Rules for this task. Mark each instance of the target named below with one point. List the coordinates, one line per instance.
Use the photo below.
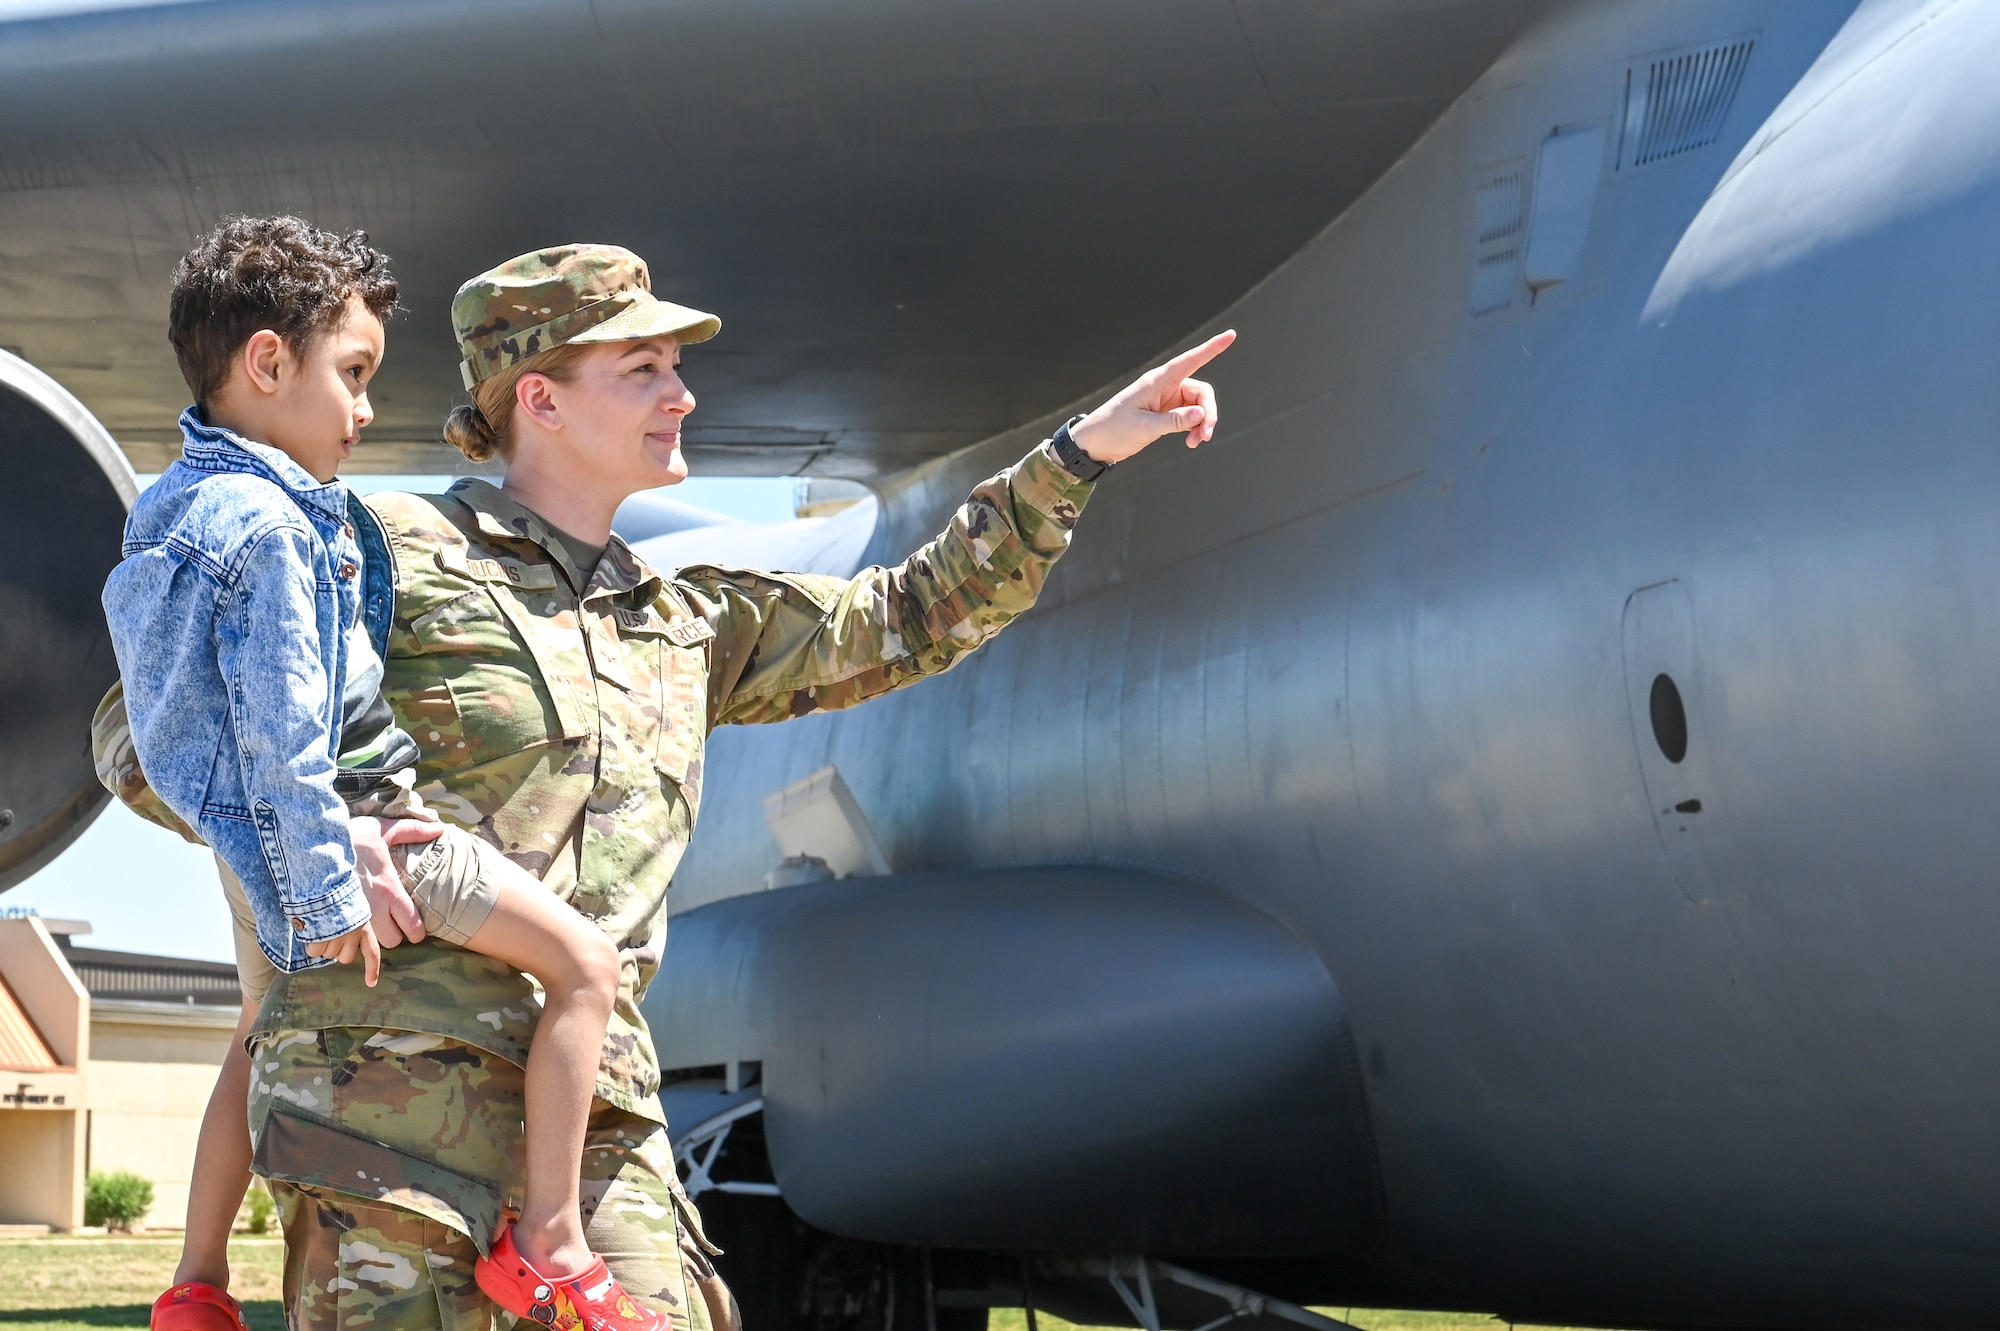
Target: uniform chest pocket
(684, 716)
(469, 624)
(667, 662)
(508, 677)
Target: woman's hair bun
(468, 431)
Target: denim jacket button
(298, 926)
(348, 570)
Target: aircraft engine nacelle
(1085, 1059)
(62, 513)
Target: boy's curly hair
(279, 273)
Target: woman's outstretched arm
(790, 644)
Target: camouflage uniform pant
(353, 1262)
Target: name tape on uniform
(681, 633)
(527, 577)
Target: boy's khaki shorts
(454, 880)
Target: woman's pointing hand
(1161, 401)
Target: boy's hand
(390, 909)
(345, 948)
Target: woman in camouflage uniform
(562, 693)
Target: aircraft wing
(922, 223)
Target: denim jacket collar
(213, 448)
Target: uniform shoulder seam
(400, 511)
(400, 506)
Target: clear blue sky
(143, 889)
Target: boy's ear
(264, 357)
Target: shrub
(116, 1199)
(258, 1209)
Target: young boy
(252, 673)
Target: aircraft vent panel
(1675, 103)
(1493, 281)
(1496, 208)
(1499, 216)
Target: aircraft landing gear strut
(1134, 1280)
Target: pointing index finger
(1185, 364)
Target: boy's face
(311, 407)
(321, 408)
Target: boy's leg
(222, 1150)
(221, 1167)
(455, 881)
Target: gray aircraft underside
(1506, 826)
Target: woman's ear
(534, 397)
(264, 358)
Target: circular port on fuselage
(1670, 718)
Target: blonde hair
(484, 428)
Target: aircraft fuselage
(1683, 1027)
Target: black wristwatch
(1074, 460)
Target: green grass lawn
(73, 1284)
(69, 1284)
(1368, 1319)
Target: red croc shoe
(197, 1306)
(590, 1301)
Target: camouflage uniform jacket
(568, 730)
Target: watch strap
(1074, 460)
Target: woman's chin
(665, 465)
(673, 475)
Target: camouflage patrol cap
(561, 295)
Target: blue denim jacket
(229, 616)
